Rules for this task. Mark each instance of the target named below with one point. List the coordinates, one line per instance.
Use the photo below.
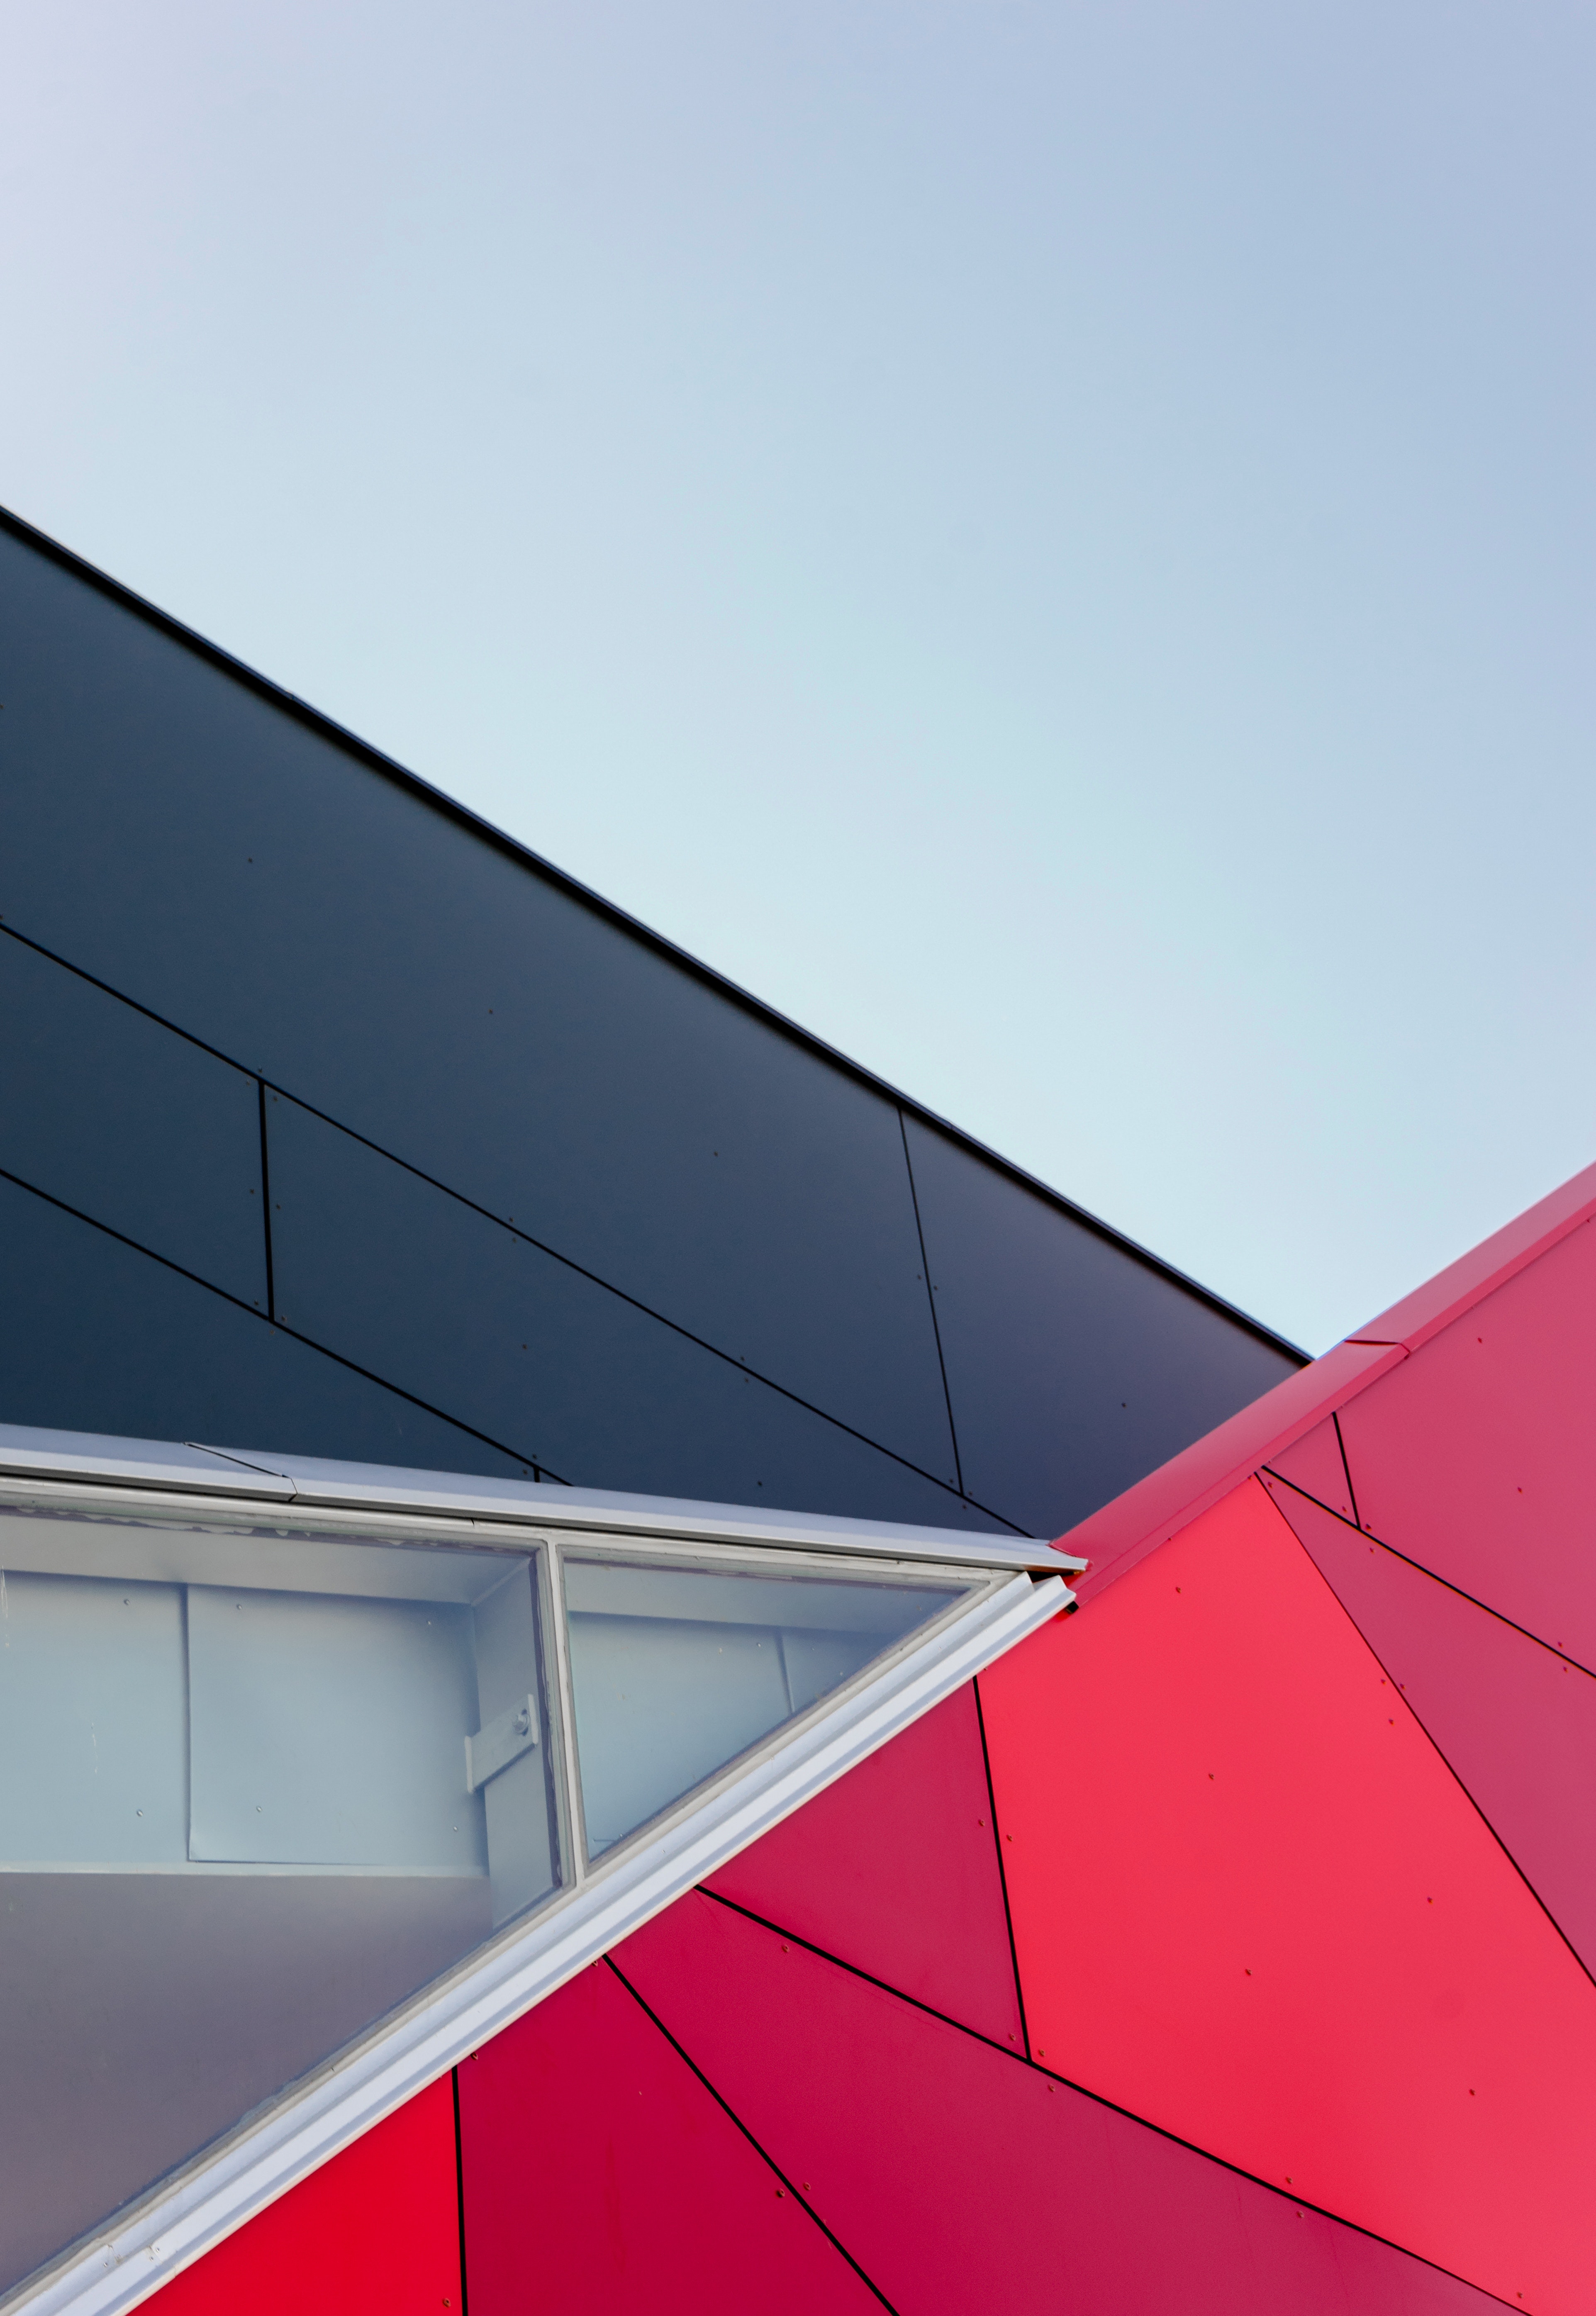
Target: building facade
(552, 1762)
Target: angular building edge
(1114, 1539)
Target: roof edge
(162, 1471)
(375, 760)
(1422, 1314)
(1114, 1538)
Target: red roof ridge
(1487, 1266)
(1118, 1534)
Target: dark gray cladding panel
(131, 1124)
(402, 1278)
(1073, 1366)
(263, 887)
(172, 832)
(98, 1337)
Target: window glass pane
(262, 1782)
(259, 1786)
(677, 1671)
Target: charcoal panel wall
(171, 831)
(1074, 1368)
(269, 889)
(95, 1336)
(135, 1127)
(395, 1275)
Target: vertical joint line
(266, 1204)
(1002, 1879)
(997, 1844)
(1347, 1468)
(936, 1332)
(459, 2186)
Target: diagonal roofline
(1113, 1539)
(374, 758)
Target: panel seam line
(1002, 1878)
(459, 2186)
(739, 1367)
(930, 1298)
(1065, 2083)
(1430, 1739)
(730, 2112)
(1419, 1568)
(534, 1462)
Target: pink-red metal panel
(374, 2233)
(1317, 1465)
(961, 2178)
(1515, 1720)
(601, 2176)
(894, 1869)
(1477, 1457)
(1252, 1905)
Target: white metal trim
(307, 1483)
(194, 2209)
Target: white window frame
(1012, 1589)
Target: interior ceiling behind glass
(264, 1784)
(237, 1824)
(676, 1671)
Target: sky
(1052, 544)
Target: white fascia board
(190, 2211)
(35, 1454)
(313, 1481)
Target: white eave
(312, 1482)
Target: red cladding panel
(1477, 1457)
(1514, 1720)
(1316, 1466)
(895, 1870)
(601, 2176)
(1252, 1905)
(962, 2179)
(374, 2233)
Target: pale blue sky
(1054, 545)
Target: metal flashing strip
(26, 1453)
(313, 1484)
(176, 2222)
